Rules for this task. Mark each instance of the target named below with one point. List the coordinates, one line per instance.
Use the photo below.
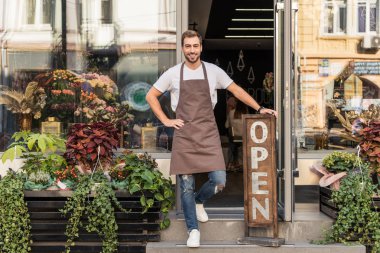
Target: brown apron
(196, 145)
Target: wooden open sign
(260, 194)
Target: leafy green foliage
(33, 142)
(99, 212)
(356, 220)
(149, 182)
(75, 208)
(101, 217)
(38, 162)
(15, 221)
(340, 161)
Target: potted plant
(61, 87)
(91, 146)
(26, 141)
(26, 105)
(38, 180)
(370, 147)
(339, 161)
(357, 219)
(144, 178)
(37, 152)
(67, 177)
(118, 174)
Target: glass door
(284, 94)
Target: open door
(284, 75)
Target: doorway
(238, 36)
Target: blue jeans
(216, 182)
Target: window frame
(109, 19)
(368, 5)
(336, 4)
(38, 22)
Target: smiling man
(196, 148)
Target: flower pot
(119, 185)
(25, 122)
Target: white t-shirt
(169, 81)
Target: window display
(58, 69)
(339, 77)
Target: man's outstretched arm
(244, 97)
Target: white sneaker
(201, 213)
(194, 238)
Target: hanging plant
(15, 220)
(99, 212)
(340, 161)
(90, 145)
(356, 220)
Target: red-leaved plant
(89, 144)
(370, 144)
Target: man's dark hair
(190, 34)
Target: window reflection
(130, 42)
(339, 75)
(38, 11)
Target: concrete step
(309, 226)
(232, 247)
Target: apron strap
(203, 68)
(204, 71)
(181, 75)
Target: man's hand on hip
(176, 123)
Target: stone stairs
(220, 235)
(232, 247)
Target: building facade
(324, 55)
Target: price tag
(61, 185)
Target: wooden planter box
(48, 224)
(330, 209)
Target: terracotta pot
(25, 121)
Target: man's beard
(192, 61)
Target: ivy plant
(145, 179)
(356, 220)
(15, 220)
(99, 211)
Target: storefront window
(337, 82)
(114, 49)
(339, 78)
